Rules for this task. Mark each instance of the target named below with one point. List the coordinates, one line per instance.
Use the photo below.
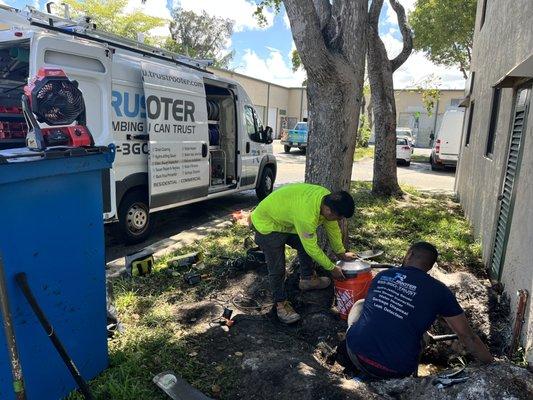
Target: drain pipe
(519, 320)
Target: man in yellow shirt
(291, 215)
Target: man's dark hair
(341, 203)
(424, 253)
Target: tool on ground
(226, 317)
(442, 338)
(519, 320)
(193, 278)
(22, 281)
(53, 99)
(185, 260)
(177, 388)
(16, 367)
(368, 254)
(140, 263)
(450, 379)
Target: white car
(406, 132)
(403, 151)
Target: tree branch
(323, 10)
(373, 13)
(407, 35)
(307, 34)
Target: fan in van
(53, 99)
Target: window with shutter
(507, 194)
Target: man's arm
(473, 343)
(334, 235)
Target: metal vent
(506, 198)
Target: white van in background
(181, 133)
(445, 151)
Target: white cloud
(154, 8)
(286, 20)
(240, 11)
(272, 69)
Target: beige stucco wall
(505, 40)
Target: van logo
(127, 104)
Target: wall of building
(504, 40)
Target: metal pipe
(519, 320)
(16, 368)
(49, 329)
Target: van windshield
(301, 126)
(401, 142)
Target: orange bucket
(354, 288)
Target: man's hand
(348, 256)
(337, 274)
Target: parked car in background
(404, 150)
(296, 137)
(406, 132)
(445, 151)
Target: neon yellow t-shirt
(296, 209)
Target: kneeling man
(384, 337)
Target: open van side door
(176, 116)
(88, 63)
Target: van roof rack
(86, 29)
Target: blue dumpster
(51, 213)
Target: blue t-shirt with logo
(402, 304)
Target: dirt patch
(267, 359)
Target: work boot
(314, 283)
(286, 313)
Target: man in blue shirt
(385, 331)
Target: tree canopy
(110, 16)
(200, 36)
(444, 30)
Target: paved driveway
(419, 175)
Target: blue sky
(265, 52)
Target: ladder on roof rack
(84, 28)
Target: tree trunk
(385, 181)
(333, 122)
(330, 39)
(380, 70)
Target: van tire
(407, 163)
(265, 185)
(287, 149)
(134, 222)
(434, 166)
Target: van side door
(176, 116)
(88, 63)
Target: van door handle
(144, 137)
(247, 147)
(204, 150)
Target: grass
(420, 158)
(393, 224)
(363, 152)
(154, 339)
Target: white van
(445, 151)
(182, 134)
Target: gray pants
(273, 246)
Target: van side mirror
(267, 135)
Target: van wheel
(303, 149)
(287, 149)
(434, 166)
(265, 184)
(134, 217)
(407, 163)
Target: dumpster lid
(353, 268)
(23, 154)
